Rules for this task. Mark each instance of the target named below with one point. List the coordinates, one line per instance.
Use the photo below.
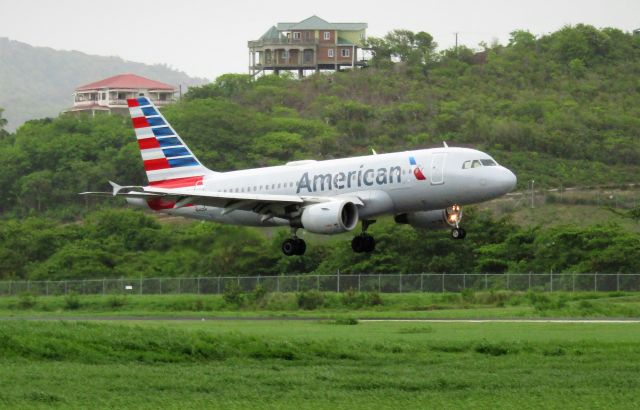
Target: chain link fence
(426, 282)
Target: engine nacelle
(439, 219)
(330, 217)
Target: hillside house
(110, 95)
(312, 44)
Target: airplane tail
(168, 161)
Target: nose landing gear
(458, 233)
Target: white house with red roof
(110, 95)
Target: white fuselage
(384, 183)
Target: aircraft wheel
(370, 243)
(289, 247)
(357, 244)
(300, 246)
(458, 233)
(363, 243)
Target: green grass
(408, 305)
(316, 364)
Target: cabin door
(437, 169)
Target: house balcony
(284, 42)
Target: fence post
(486, 282)
(464, 281)
(46, 289)
(573, 282)
(358, 282)
(338, 281)
(160, 285)
(529, 288)
(422, 282)
(379, 283)
(595, 282)
(198, 284)
(140, 286)
(104, 286)
(507, 281)
(298, 283)
(551, 280)
(218, 285)
(66, 287)
(401, 283)
(618, 282)
(443, 283)
(10, 282)
(318, 283)
(277, 283)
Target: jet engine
(439, 219)
(330, 217)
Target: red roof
(127, 81)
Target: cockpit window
(477, 163)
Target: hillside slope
(38, 82)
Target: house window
(327, 35)
(330, 52)
(285, 54)
(345, 52)
(296, 35)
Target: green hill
(562, 109)
(38, 82)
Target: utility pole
(532, 193)
(456, 34)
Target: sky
(209, 38)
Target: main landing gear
(364, 242)
(294, 245)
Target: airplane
(424, 188)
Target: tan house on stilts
(312, 44)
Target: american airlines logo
(359, 178)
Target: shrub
(233, 295)
(259, 293)
(373, 299)
(26, 300)
(116, 301)
(310, 300)
(72, 301)
(468, 295)
(346, 321)
(353, 299)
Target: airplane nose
(508, 180)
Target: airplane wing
(266, 204)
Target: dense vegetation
(127, 243)
(561, 109)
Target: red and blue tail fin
(168, 161)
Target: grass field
(316, 364)
(331, 305)
(338, 362)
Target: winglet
(373, 151)
(116, 188)
(445, 144)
